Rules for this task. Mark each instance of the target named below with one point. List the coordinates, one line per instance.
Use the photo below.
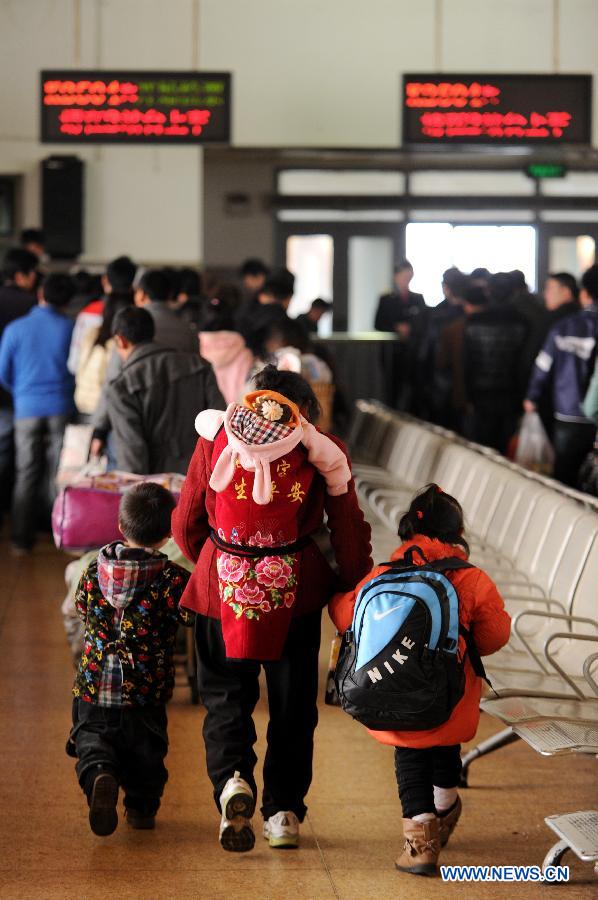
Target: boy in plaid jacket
(128, 600)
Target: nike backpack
(399, 666)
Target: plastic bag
(534, 450)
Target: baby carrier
(264, 461)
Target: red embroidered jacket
(350, 534)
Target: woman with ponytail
(428, 763)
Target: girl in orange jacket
(428, 763)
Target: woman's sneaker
(282, 831)
(237, 804)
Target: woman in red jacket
(428, 763)
(272, 537)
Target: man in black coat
(268, 307)
(402, 312)
(397, 310)
(309, 320)
(493, 341)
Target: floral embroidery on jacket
(255, 585)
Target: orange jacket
(481, 610)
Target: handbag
(85, 514)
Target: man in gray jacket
(171, 331)
(153, 403)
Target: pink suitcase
(85, 514)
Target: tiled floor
(349, 841)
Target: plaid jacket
(145, 645)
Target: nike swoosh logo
(378, 616)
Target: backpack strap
(450, 564)
(407, 561)
(474, 655)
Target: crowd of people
(134, 355)
(492, 350)
(223, 386)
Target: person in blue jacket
(564, 366)
(33, 355)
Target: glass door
(567, 247)
(311, 258)
(370, 274)
(348, 262)
(433, 247)
(571, 253)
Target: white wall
(305, 73)
(139, 200)
(326, 72)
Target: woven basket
(325, 395)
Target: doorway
(350, 263)
(567, 247)
(433, 247)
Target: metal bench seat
(553, 737)
(578, 832)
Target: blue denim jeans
(38, 442)
(6, 457)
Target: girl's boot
(421, 848)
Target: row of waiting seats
(539, 542)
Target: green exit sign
(546, 170)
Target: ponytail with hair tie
(436, 515)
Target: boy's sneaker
(238, 805)
(137, 820)
(282, 831)
(103, 817)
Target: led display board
(131, 107)
(496, 109)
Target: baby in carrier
(266, 457)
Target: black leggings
(419, 770)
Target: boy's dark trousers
(419, 770)
(130, 742)
(230, 691)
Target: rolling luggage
(85, 514)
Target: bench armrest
(571, 635)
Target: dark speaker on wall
(62, 206)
